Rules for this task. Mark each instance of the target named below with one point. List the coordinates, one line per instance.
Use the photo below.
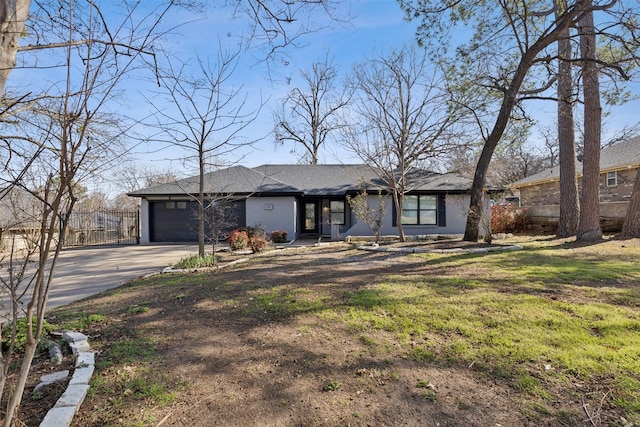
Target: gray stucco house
(303, 200)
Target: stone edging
(195, 270)
(409, 250)
(68, 404)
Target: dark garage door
(177, 221)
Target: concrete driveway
(83, 272)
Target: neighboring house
(19, 210)
(302, 200)
(19, 216)
(540, 193)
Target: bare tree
(403, 118)
(220, 219)
(549, 149)
(206, 118)
(129, 178)
(278, 24)
(309, 115)
(58, 140)
(372, 216)
(514, 159)
(55, 139)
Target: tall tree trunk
(472, 230)
(631, 226)
(569, 203)
(13, 14)
(589, 224)
(397, 200)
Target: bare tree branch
(310, 115)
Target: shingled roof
(308, 180)
(622, 155)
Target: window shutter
(442, 211)
(393, 214)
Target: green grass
(20, 338)
(571, 309)
(137, 309)
(77, 320)
(136, 382)
(519, 311)
(124, 372)
(332, 385)
(283, 302)
(196, 261)
(129, 350)
(501, 330)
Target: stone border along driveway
(66, 407)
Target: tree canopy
(502, 54)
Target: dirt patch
(36, 403)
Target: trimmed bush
(257, 244)
(257, 231)
(238, 239)
(278, 236)
(508, 218)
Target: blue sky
(375, 26)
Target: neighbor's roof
(622, 155)
(308, 180)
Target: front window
(420, 210)
(612, 179)
(337, 211)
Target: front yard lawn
(548, 335)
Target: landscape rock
(79, 347)
(52, 378)
(72, 336)
(55, 353)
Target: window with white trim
(612, 179)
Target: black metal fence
(103, 227)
